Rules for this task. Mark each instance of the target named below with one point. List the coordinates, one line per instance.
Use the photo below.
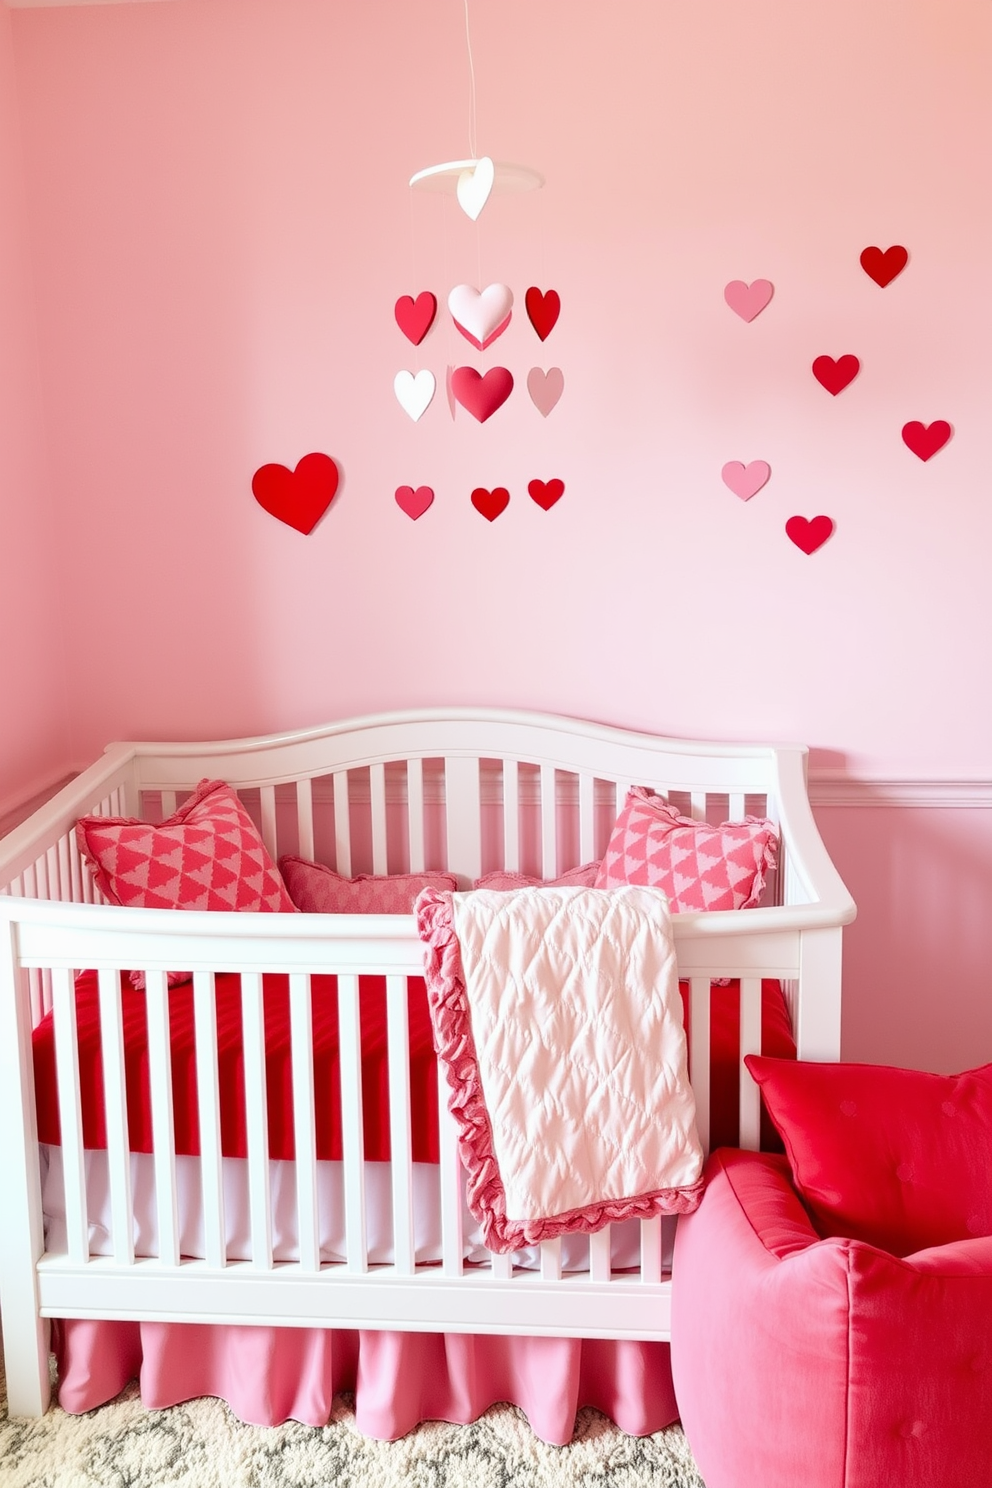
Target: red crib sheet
(777, 1040)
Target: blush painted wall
(221, 225)
(34, 739)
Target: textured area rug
(202, 1445)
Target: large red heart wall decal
(883, 266)
(926, 439)
(297, 497)
(835, 375)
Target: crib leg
(25, 1351)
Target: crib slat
(511, 816)
(400, 1147)
(501, 1265)
(70, 1115)
(75, 871)
(697, 805)
(65, 870)
(549, 825)
(304, 1127)
(208, 1103)
(462, 816)
(551, 1259)
(699, 1054)
(342, 824)
(377, 791)
(52, 868)
(256, 1120)
(736, 807)
(163, 1122)
(600, 1257)
(587, 818)
(304, 818)
(268, 799)
(115, 1106)
(168, 804)
(415, 813)
(452, 1240)
(651, 1248)
(750, 1095)
(352, 1132)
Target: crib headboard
(471, 790)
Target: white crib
(462, 789)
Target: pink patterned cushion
(207, 856)
(583, 877)
(319, 890)
(698, 866)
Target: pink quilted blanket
(557, 1016)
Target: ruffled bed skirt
(271, 1375)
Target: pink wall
(221, 225)
(34, 744)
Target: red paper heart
(416, 316)
(809, 533)
(926, 439)
(297, 497)
(835, 375)
(490, 503)
(481, 395)
(543, 310)
(546, 493)
(414, 502)
(884, 266)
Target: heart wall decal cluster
(480, 316)
(834, 374)
(489, 503)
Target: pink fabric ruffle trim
(271, 1375)
(485, 1194)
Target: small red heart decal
(416, 316)
(490, 503)
(809, 533)
(926, 439)
(835, 375)
(543, 310)
(414, 502)
(883, 267)
(546, 493)
(297, 497)
(481, 395)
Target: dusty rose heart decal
(883, 266)
(415, 316)
(543, 309)
(809, 533)
(481, 395)
(745, 480)
(546, 493)
(836, 375)
(297, 497)
(414, 502)
(926, 439)
(490, 503)
(483, 315)
(748, 300)
(545, 388)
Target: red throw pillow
(898, 1158)
(583, 877)
(698, 866)
(207, 856)
(318, 890)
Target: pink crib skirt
(270, 1375)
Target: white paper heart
(545, 388)
(414, 393)
(474, 186)
(481, 315)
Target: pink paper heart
(481, 395)
(545, 388)
(745, 480)
(483, 315)
(414, 502)
(748, 300)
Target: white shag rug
(203, 1445)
